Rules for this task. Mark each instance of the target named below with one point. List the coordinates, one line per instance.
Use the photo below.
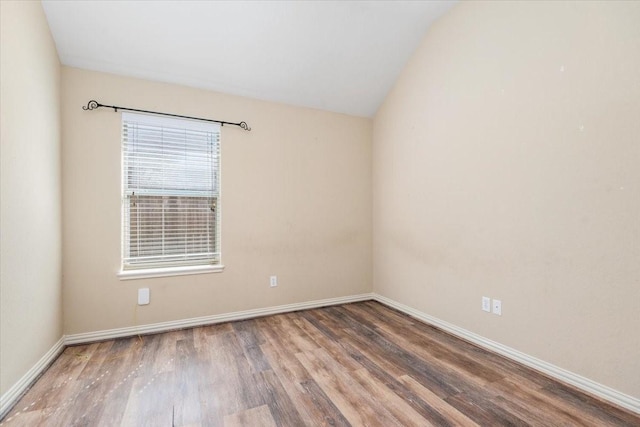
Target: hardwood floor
(357, 364)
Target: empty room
(320, 213)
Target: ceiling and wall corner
(335, 56)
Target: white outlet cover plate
(143, 296)
(273, 281)
(497, 307)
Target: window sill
(148, 273)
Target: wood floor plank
(334, 347)
(425, 409)
(93, 357)
(537, 408)
(165, 357)
(436, 354)
(398, 407)
(314, 406)
(461, 349)
(296, 382)
(432, 353)
(258, 416)
(51, 392)
(360, 364)
(283, 410)
(247, 334)
(187, 401)
(483, 411)
(111, 394)
(151, 402)
(324, 412)
(348, 396)
(26, 419)
(287, 335)
(589, 407)
(211, 386)
(442, 383)
(448, 415)
(235, 384)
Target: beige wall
(507, 163)
(296, 203)
(30, 199)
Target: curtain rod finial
(91, 105)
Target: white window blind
(171, 192)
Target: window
(170, 194)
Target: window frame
(162, 268)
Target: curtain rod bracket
(93, 104)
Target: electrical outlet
(143, 296)
(497, 307)
(486, 304)
(273, 281)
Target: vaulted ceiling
(340, 56)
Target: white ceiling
(341, 56)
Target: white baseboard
(8, 399)
(208, 320)
(585, 384)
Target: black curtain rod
(93, 104)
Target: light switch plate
(486, 304)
